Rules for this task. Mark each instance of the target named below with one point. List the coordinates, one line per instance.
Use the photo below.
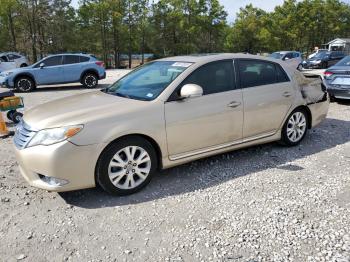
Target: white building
(339, 44)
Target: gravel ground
(265, 203)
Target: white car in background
(11, 60)
(293, 58)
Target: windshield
(147, 82)
(276, 55)
(344, 62)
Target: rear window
(344, 62)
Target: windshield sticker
(182, 64)
(149, 95)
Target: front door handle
(287, 94)
(234, 104)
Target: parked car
(19, 59)
(11, 60)
(291, 57)
(337, 79)
(323, 60)
(317, 52)
(165, 113)
(55, 69)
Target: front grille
(23, 135)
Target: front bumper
(4, 82)
(64, 160)
(311, 66)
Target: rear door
(51, 73)
(267, 96)
(72, 68)
(214, 119)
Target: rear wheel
(295, 128)
(23, 65)
(90, 80)
(126, 166)
(24, 84)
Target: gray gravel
(265, 203)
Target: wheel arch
(152, 141)
(308, 112)
(90, 70)
(25, 75)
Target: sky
(232, 6)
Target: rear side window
(71, 59)
(53, 61)
(281, 74)
(84, 59)
(256, 73)
(214, 77)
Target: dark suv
(323, 60)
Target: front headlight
(5, 74)
(51, 136)
(318, 61)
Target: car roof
(80, 54)
(205, 58)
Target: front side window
(149, 81)
(257, 73)
(71, 59)
(52, 61)
(214, 77)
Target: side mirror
(191, 91)
(42, 65)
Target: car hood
(79, 109)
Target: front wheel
(126, 166)
(90, 80)
(24, 84)
(17, 117)
(295, 128)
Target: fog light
(53, 181)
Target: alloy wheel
(129, 167)
(296, 127)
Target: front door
(212, 120)
(51, 73)
(267, 96)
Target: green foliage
(109, 28)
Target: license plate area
(342, 81)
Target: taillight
(100, 63)
(328, 73)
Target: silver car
(12, 60)
(165, 113)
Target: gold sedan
(165, 113)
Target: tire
(114, 165)
(17, 117)
(90, 80)
(24, 84)
(10, 114)
(300, 67)
(292, 132)
(324, 65)
(23, 65)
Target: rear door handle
(286, 94)
(234, 104)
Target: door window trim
(234, 82)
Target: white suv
(11, 60)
